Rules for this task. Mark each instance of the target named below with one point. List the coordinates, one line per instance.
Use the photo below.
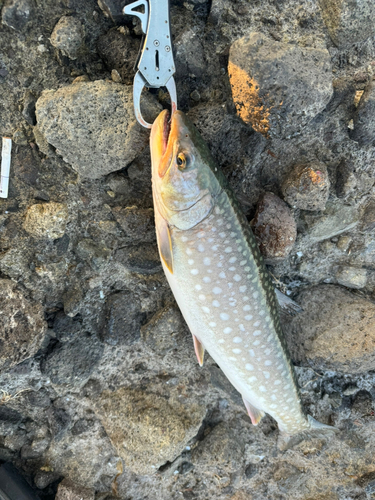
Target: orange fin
(165, 243)
(255, 414)
(199, 350)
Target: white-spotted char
(217, 275)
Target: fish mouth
(165, 135)
(166, 132)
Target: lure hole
(157, 60)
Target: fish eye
(183, 160)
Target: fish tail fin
(315, 429)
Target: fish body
(217, 275)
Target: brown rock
(70, 491)
(335, 331)
(47, 220)
(147, 429)
(22, 326)
(274, 227)
(307, 186)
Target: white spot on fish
(214, 248)
(237, 277)
(248, 317)
(212, 324)
(252, 353)
(216, 303)
(257, 342)
(232, 260)
(243, 289)
(237, 340)
(206, 261)
(198, 287)
(206, 279)
(189, 251)
(228, 250)
(274, 397)
(266, 374)
(252, 379)
(243, 262)
(205, 309)
(257, 323)
(202, 297)
(255, 295)
(224, 316)
(228, 329)
(217, 290)
(249, 367)
(236, 351)
(184, 239)
(257, 332)
(262, 388)
(267, 351)
(222, 275)
(246, 308)
(200, 247)
(277, 382)
(242, 328)
(194, 271)
(222, 235)
(221, 341)
(201, 234)
(262, 313)
(190, 262)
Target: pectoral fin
(165, 243)
(199, 350)
(255, 414)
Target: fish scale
(216, 272)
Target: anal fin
(199, 350)
(255, 414)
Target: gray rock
(163, 333)
(68, 490)
(47, 220)
(72, 363)
(137, 223)
(92, 125)
(119, 51)
(345, 178)
(28, 111)
(275, 228)
(368, 217)
(122, 319)
(189, 55)
(16, 13)
(348, 22)
(364, 117)
(146, 428)
(335, 331)
(22, 326)
(336, 219)
(96, 253)
(278, 87)
(68, 36)
(351, 277)
(307, 186)
(140, 259)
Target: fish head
(183, 180)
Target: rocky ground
(102, 397)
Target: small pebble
(116, 77)
(68, 36)
(307, 186)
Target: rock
(68, 36)
(147, 429)
(140, 259)
(336, 219)
(345, 178)
(348, 22)
(364, 117)
(92, 125)
(115, 75)
(47, 220)
(368, 217)
(351, 277)
(68, 490)
(122, 319)
(119, 51)
(189, 55)
(16, 13)
(307, 186)
(22, 326)
(163, 332)
(221, 446)
(335, 331)
(94, 252)
(274, 227)
(73, 362)
(278, 87)
(42, 479)
(113, 9)
(65, 327)
(137, 223)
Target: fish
(218, 277)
